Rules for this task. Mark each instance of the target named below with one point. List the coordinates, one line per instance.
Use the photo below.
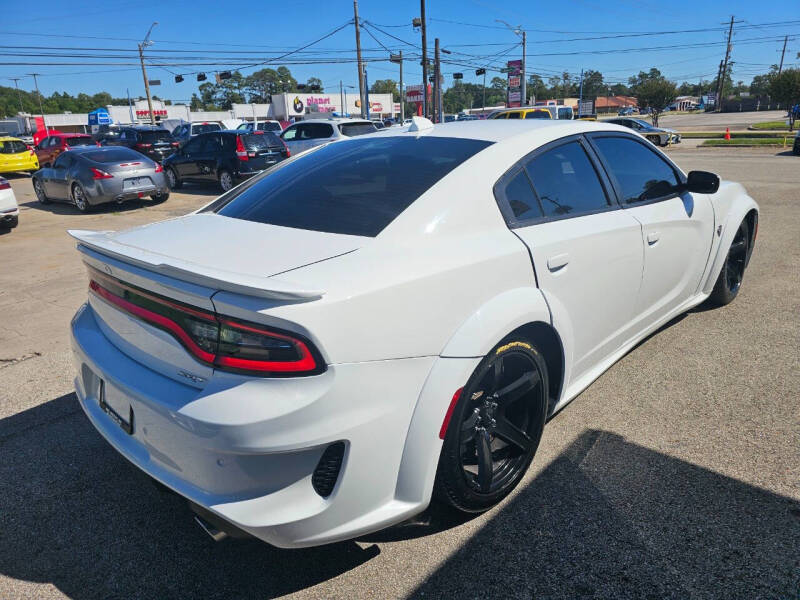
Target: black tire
(654, 139)
(226, 181)
(729, 281)
(38, 189)
(173, 181)
(505, 399)
(79, 198)
(159, 198)
(11, 223)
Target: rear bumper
(10, 218)
(246, 449)
(102, 191)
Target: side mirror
(702, 182)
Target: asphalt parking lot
(675, 475)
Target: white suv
(315, 132)
(9, 211)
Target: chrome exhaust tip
(214, 533)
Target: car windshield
(12, 147)
(112, 155)
(354, 129)
(205, 128)
(79, 141)
(159, 135)
(356, 187)
(644, 124)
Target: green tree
(536, 90)
(785, 88)
(656, 94)
(620, 89)
(593, 85)
(314, 81)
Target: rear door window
(514, 115)
(79, 141)
(290, 133)
(356, 129)
(356, 188)
(641, 175)
(538, 114)
(518, 195)
(205, 128)
(160, 135)
(566, 182)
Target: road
(715, 121)
(675, 475)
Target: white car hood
(224, 252)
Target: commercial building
(284, 107)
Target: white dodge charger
(377, 323)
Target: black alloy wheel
(495, 429)
(730, 277)
(654, 139)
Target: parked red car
(50, 147)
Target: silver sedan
(89, 176)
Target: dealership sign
(145, 114)
(414, 93)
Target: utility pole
(436, 112)
(523, 75)
(423, 25)
(398, 58)
(580, 97)
(783, 53)
(721, 80)
(22, 110)
(358, 56)
(146, 42)
(41, 108)
(341, 98)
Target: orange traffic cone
(727, 133)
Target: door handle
(559, 261)
(653, 237)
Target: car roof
(84, 149)
(70, 135)
(145, 127)
(8, 138)
(338, 120)
(499, 130)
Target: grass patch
(710, 135)
(771, 125)
(746, 143)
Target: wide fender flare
(740, 207)
(495, 319)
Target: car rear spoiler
(100, 242)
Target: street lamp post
(523, 34)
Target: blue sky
(258, 32)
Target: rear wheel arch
(547, 340)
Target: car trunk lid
(188, 260)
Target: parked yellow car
(523, 113)
(15, 156)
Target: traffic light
(458, 76)
(480, 72)
(201, 77)
(178, 78)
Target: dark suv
(227, 157)
(155, 143)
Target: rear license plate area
(133, 183)
(116, 407)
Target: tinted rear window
(260, 141)
(12, 147)
(156, 136)
(205, 128)
(79, 141)
(112, 155)
(354, 129)
(356, 187)
(270, 127)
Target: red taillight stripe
(449, 414)
(153, 318)
(307, 362)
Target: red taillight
(258, 132)
(218, 341)
(4, 185)
(286, 150)
(132, 164)
(98, 174)
(240, 150)
(159, 168)
(174, 144)
(449, 414)
(31, 150)
(143, 146)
